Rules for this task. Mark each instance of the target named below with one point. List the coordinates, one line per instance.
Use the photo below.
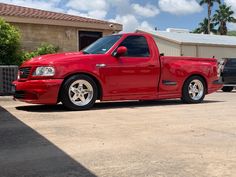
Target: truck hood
(51, 59)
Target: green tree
(9, 43)
(210, 4)
(223, 16)
(203, 27)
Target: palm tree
(203, 27)
(223, 16)
(209, 3)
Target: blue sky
(132, 14)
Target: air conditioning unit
(177, 30)
(7, 75)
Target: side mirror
(120, 51)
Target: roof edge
(14, 19)
(103, 21)
(98, 22)
(161, 37)
(186, 43)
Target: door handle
(102, 65)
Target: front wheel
(79, 92)
(194, 90)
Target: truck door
(136, 73)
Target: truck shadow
(108, 105)
(24, 152)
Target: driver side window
(137, 46)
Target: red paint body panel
(39, 91)
(123, 78)
(180, 68)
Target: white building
(195, 45)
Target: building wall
(168, 48)
(209, 51)
(189, 50)
(218, 52)
(205, 51)
(64, 37)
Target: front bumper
(38, 91)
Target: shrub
(10, 53)
(9, 43)
(41, 50)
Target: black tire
(186, 96)
(64, 93)
(227, 89)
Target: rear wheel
(194, 90)
(79, 92)
(227, 89)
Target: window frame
(119, 45)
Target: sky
(133, 14)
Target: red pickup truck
(117, 67)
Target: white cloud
(145, 11)
(97, 9)
(77, 13)
(146, 26)
(97, 14)
(232, 3)
(131, 23)
(232, 26)
(121, 6)
(50, 5)
(86, 5)
(130, 15)
(125, 15)
(180, 7)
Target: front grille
(24, 72)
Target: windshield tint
(102, 45)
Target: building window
(88, 37)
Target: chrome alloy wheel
(196, 89)
(81, 92)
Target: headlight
(44, 71)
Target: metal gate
(7, 75)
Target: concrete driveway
(131, 139)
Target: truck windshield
(102, 45)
